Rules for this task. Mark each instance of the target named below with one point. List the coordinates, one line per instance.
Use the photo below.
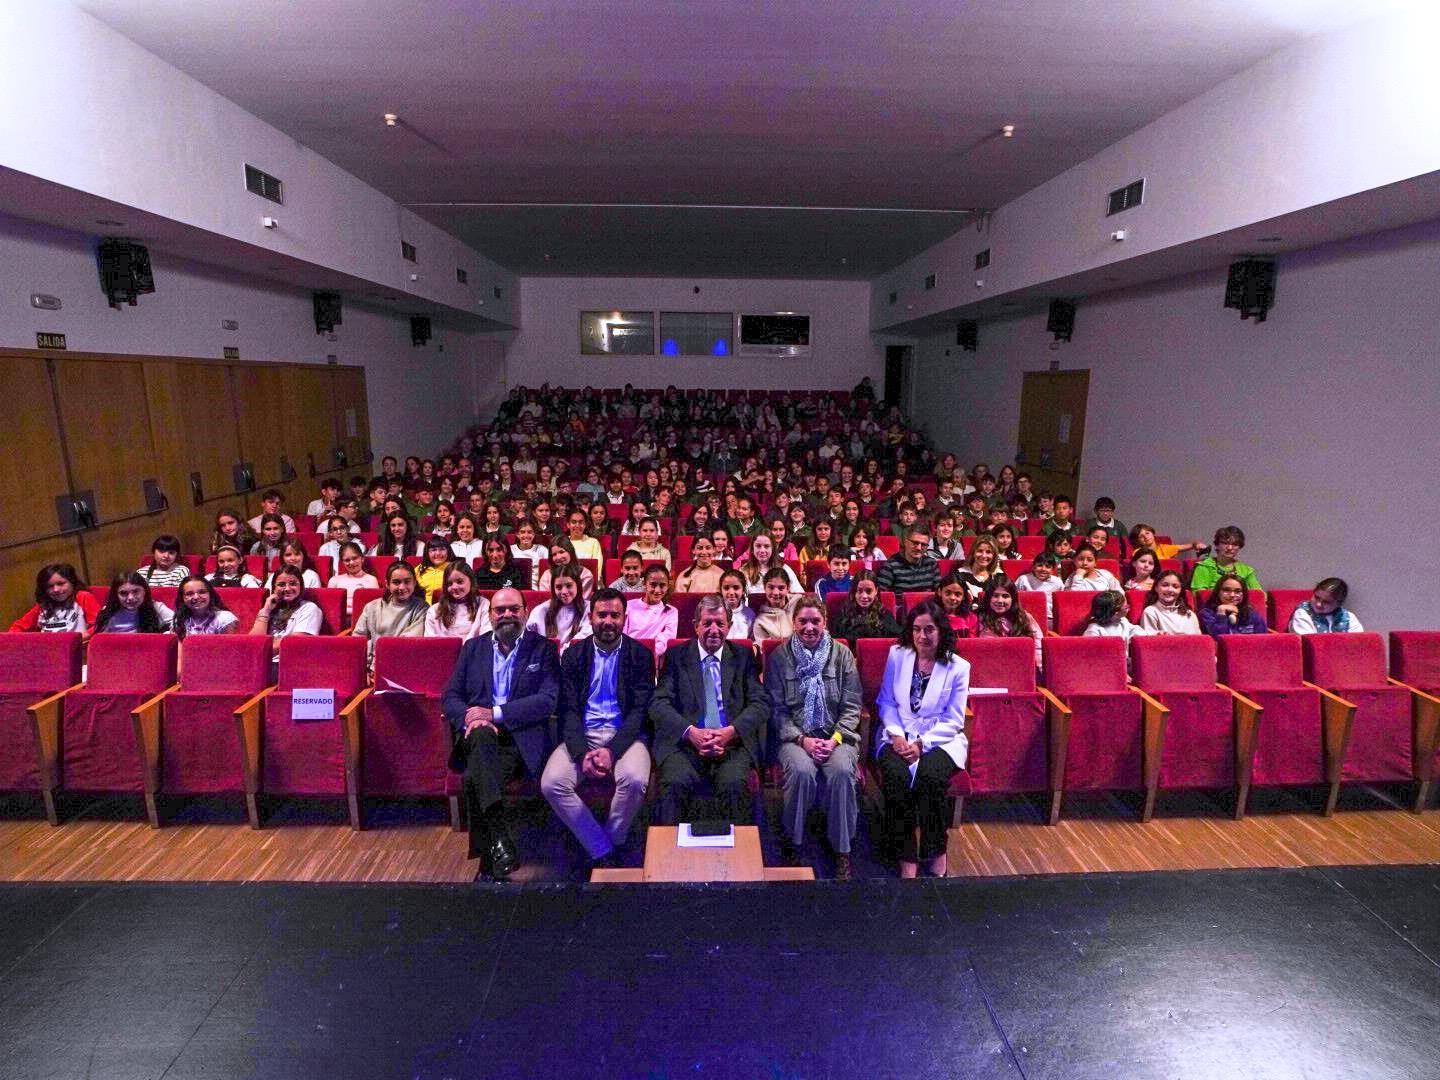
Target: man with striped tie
(709, 713)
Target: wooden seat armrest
(45, 715)
(146, 717)
(1057, 747)
(1247, 714)
(1337, 714)
(248, 725)
(351, 723)
(1425, 730)
(1154, 715)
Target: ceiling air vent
(461, 276)
(982, 259)
(929, 281)
(1126, 197)
(407, 251)
(264, 185)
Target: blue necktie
(715, 699)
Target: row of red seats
(1263, 710)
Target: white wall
(91, 110)
(1337, 114)
(547, 346)
(420, 399)
(1317, 431)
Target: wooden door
(352, 418)
(312, 421)
(34, 470)
(105, 416)
(1052, 428)
(261, 416)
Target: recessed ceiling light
(391, 119)
(1008, 131)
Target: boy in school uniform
(838, 579)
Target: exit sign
(49, 341)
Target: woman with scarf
(814, 688)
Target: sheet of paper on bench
(987, 691)
(684, 838)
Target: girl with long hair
(459, 610)
(129, 609)
(565, 617)
(201, 611)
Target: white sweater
(1158, 620)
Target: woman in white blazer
(921, 743)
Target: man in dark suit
(606, 683)
(709, 712)
(499, 703)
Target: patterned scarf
(809, 666)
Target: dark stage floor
(1273, 973)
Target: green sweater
(1207, 572)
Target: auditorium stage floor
(1244, 973)
(208, 840)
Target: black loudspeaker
(1250, 288)
(967, 334)
(124, 271)
(1061, 322)
(419, 329)
(327, 312)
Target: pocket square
(534, 667)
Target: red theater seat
(87, 734)
(285, 756)
(1210, 735)
(1415, 663)
(1305, 729)
(1352, 666)
(187, 732)
(35, 672)
(1035, 603)
(1116, 731)
(1014, 735)
(1283, 603)
(1072, 608)
(400, 736)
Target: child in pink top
(649, 616)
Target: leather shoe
(844, 869)
(503, 857)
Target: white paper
(312, 704)
(684, 838)
(987, 691)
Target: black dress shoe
(503, 857)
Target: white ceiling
(714, 102)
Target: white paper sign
(312, 705)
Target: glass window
(696, 333)
(610, 333)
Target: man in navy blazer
(499, 703)
(709, 711)
(606, 683)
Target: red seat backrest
(913, 598)
(1283, 603)
(1000, 662)
(1415, 658)
(683, 544)
(308, 662)
(1260, 661)
(332, 607)
(1135, 602)
(1339, 660)
(1072, 608)
(225, 663)
(944, 566)
(417, 665)
(1093, 665)
(534, 598)
(685, 604)
(870, 657)
(43, 663)
(131, 663)
(890, 545)
(363, 597)
(1034, 603)
(768, 646)
(311, 541)
(1029, 546)
(1112, 565)
(1174, 662)
(244, 604)
(1013, 568)
(378, 565)
(324, 567)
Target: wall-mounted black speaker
(419, 329)
(1061, 322)
(1250, 288)
(967, 334)
(124, 271)
(327, 312)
